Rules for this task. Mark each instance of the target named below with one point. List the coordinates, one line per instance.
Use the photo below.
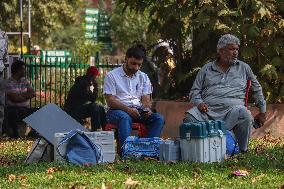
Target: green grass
(264, 163)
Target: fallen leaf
(25, 185)
(131, 184)
(240, 173)
(87, 164)
(22, 177)
(150, 159)
(51, 170)
(11, 177)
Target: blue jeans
(123, 120)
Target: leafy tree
(47, 17)
(128, 27)
(258, 23)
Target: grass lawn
(264, 164)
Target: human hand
(146, 112)
(260, 118)
(133, 112)
(202, 107)
(30, 93)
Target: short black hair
(142, 47)
(135, 52)
(17, 66)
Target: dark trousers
(13, 115)
(93, 110)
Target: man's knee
(189, 118)
(158, 117)
(245, 114)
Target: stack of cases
(104, 139)
(169, 150)
(203, 141)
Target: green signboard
(55, 56)
(97, 27)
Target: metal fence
(52, 77)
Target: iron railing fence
(52, 77)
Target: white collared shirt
(128, 90)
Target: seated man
(128, 94)
(18, 95)
(218, 92)
(81, 100)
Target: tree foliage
(258, 23)
(54, 24)
(129, 26)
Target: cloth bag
(232, 147)
(80, 149)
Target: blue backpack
(232, 147)
(137, 148)
(80, 149)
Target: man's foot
(244, 151)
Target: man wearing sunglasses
(128, 94)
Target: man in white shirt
(128, 94)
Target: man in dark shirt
(81, 100)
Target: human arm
(114, 103)
(196, 90)
(258, 98)
(110, 92)
(81, 90)
(15, 96)
(146, 104)
(94, 91)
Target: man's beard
(232, 60)
(129, 70)
(132, 71)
